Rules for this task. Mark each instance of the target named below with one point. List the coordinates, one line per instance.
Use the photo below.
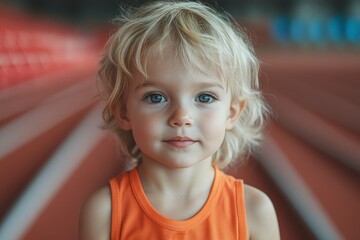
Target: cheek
(213, 125)
(145, 127)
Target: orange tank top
(222, 217)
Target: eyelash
(208, 96)
(149, 98)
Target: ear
(236, 107)
(121, 118)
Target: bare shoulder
(95, 216)
(260, 214)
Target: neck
(184, 182)
(177, 193)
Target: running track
(53, 155)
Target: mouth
(180, 142)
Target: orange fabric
(222, 217)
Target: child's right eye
(155, 98)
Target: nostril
(180, 117)
(180, 122)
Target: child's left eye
(205, 98)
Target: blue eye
(155, 98)
(205, 98)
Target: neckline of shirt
(180, 225)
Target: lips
(180, 142)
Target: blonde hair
(201, 38)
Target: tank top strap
(241, 210)
(115, 209)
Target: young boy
(182, 95)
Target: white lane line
(23, 96)
(300, 196)
(51, 112)
(52, 177)
(319, 132)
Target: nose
(180, 118)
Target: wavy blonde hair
(201, 38)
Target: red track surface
(308, 91)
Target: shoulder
(95, 216)
(260, 215)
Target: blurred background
(53, 154)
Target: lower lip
(180, 144)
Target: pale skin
(187, 115)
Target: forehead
(166, 62)
(167, 68)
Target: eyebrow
(148, 83)
(209, 85)
(145, 84)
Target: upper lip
(180, 139)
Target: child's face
(178, 117)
